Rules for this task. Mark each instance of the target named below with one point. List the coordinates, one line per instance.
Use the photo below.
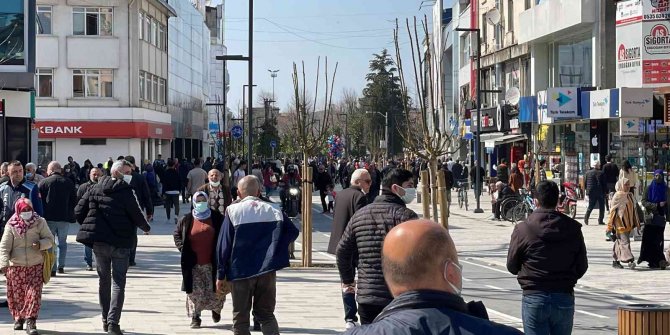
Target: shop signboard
(656, 54)
(656, 10)
(629, 55)
(636, 102)
(562, 102)
(542, 116)
(600, 104)
(629, 126)
(629, 11)
(91, 129)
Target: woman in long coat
(622, 220)
(655, 201)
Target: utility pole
(251, 80)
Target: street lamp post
(273, 74)
(246, 112)
(386, 129)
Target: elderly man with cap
(422, 271)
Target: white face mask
(127, 178)
(26, 215)
(410, 194)
(214, 183)
(457, 290)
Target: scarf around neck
(20, 225)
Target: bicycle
(521, 211)
(462, 193)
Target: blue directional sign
(237, 132)
(273, 144)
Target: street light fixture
(273, 74)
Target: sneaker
(586, 222)
(257, 326)
(195, 323)
(114, 329)
(89, 267)
(631, 265)
(18, 324)
(216, 317)
(617, 265)
(31, 327)
(61, 270)
(351, 324)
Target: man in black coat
(109, 215)
(322, 180)
(58, 197)
(348, 202)
(364, 237)
(171, 187)
(610, 176)
(93, 177)
(595, 190)
(141, 187)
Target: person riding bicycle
(503, 192)
(290, 179)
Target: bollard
(644, 319)
(444, 204)
(425, 195)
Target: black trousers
(368, 313)
(260, 293)
(324, 204)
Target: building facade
(101, 79)
(218, 121)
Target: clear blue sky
(287, 31)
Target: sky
(286, 31)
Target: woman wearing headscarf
(628, 173)
(622, 219)
(196, 239)
(654, 200)
(26, 235)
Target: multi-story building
(188, 78)
(17, 70)
(101, 79)
(218, 121)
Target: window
(150, 87)
(153, 32)
(140, 27)
(93, 141)
(44, 82)
(161, 37)
(92, 21)
(161, 91)
(92, 83)
(155, 97)
(527, 5)
(147, 28)
(142, 85)
(44, 20)
(574, 64)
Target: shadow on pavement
(58, 310)
(54, 332)
(307, 331)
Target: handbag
(47, 266)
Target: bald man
(422, 272)
(249, 254)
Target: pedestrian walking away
(548, 255)
(59, 196)
(622, 220)
(171, 188)
(109, 215)
(595, 190)
(21, 261)
(252, 246)
(426, 290)
(364, 236)
(195, 238)
(655, 201)
(94, 175)
(322, 180)
(610, 175)
(141, 188)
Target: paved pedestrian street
(309, 300)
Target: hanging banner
(542, 116)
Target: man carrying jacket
(109, 215)
(548, 255)
(58, 196)
(423, 273)
(253, 245)
(139, 184)
(362, 236)
(94, 175)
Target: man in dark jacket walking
(548, 255)
(362, 236)
(426, 290)
(59, 197)
(322, 180)
(109, 215)
(93, 177)
(171, 188)
(595, 189)
(139, 184)
(610, 176)
(348, 202)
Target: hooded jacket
(432, 312)
(109, 213)
(547, 253)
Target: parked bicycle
(462, 188)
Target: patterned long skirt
(24, 291)
(203, 296)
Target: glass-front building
(188, 77)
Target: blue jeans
(548, 313)
(88, 256)
(350, 307)
(112, 265)
(59, 229)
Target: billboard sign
(14, 35)
(628, 12)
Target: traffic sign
(237, 132)
(273, 144)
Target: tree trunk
(432, 168)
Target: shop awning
(504, 139)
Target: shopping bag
(49, 261)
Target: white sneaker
(351, 324)
(631, 265)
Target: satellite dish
(493, 16)
(513, 95)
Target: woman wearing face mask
(196, 239)
(655, 201)
(21, 260)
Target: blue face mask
(200, 207)
(29, 175)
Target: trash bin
(644, 319)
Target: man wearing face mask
(427, 293)
(32, 175)
(362, 237)
(139, 183)
(94, 175)
(218, 191)
(548, 255)
(109, 215)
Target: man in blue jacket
(253, 245)
(421, 268)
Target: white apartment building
(101, 79)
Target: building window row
(152, 88)
(43, 20)
(152, 31)
(44, 82)
(92, 83)
(92, 21)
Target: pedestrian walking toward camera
(621, 222)
(595, 190)
(426, 290)
(218, 191)
(59, 197)
(32, 175)
(94, 175)
(655, 201)
(109, 215)
(364, 236)
(25, 237)
(252, 247)
(548, 255)
(196, 238)
(171, 187)
(139, 184)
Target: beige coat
(18, 251)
